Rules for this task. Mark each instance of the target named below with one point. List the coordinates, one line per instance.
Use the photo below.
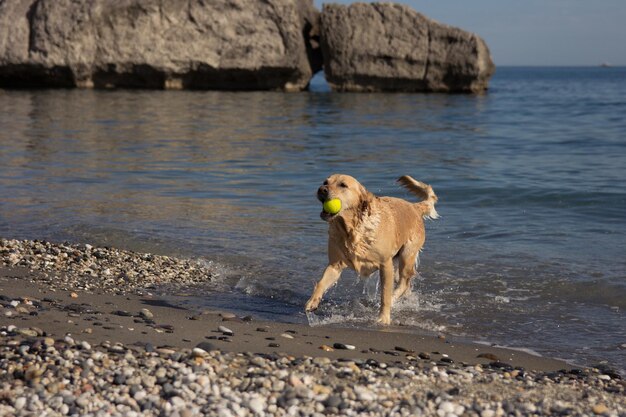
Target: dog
(369, 232)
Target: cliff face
(217, 44)
(234, 45)
(390, 47)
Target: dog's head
(354, 197)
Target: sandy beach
(82, 334)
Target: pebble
(600, 409)
(447, 407)
(206, 346)
(226, 331)
(321, 361)
(122, 313)
(256, 405)
(286, 336)
(146, 314)
(403, 349)
(199, 352)
(487, 413)
(27, 332)
(19, 403)
(343, 346)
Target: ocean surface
(529, 252)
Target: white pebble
(198, 352)
(20, 403)
(177, 402)
(256, 405)
(140, 395)
(363, 394)
(447, 407)
(224, 329)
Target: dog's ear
(365, 203)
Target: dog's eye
(325, 182)
(343, 185)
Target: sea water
(529, 251)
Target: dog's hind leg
(407, 266)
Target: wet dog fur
(369, 232)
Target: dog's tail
(423, 191)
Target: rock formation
(217, 44)
(391, 47)
(234, 45)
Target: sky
(537, 32)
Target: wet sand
(98, 317)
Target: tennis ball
(332, 206)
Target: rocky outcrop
(391, 47)
(234, 45)
(217, 44)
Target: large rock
(391, 47)
(203, 44)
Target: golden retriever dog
(369, 232)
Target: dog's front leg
(386, 278)
(331, 275)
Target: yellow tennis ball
(332, 206)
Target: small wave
(335, 318)
(425, 324)
(518, 349)
(416, 302)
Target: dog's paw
(312, 304)
(383, 319)
(399, 293)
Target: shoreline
(117, 285)
(144, 318)
(77, 345)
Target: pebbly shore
(89, 268)
(78, 340)
(46, 377)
